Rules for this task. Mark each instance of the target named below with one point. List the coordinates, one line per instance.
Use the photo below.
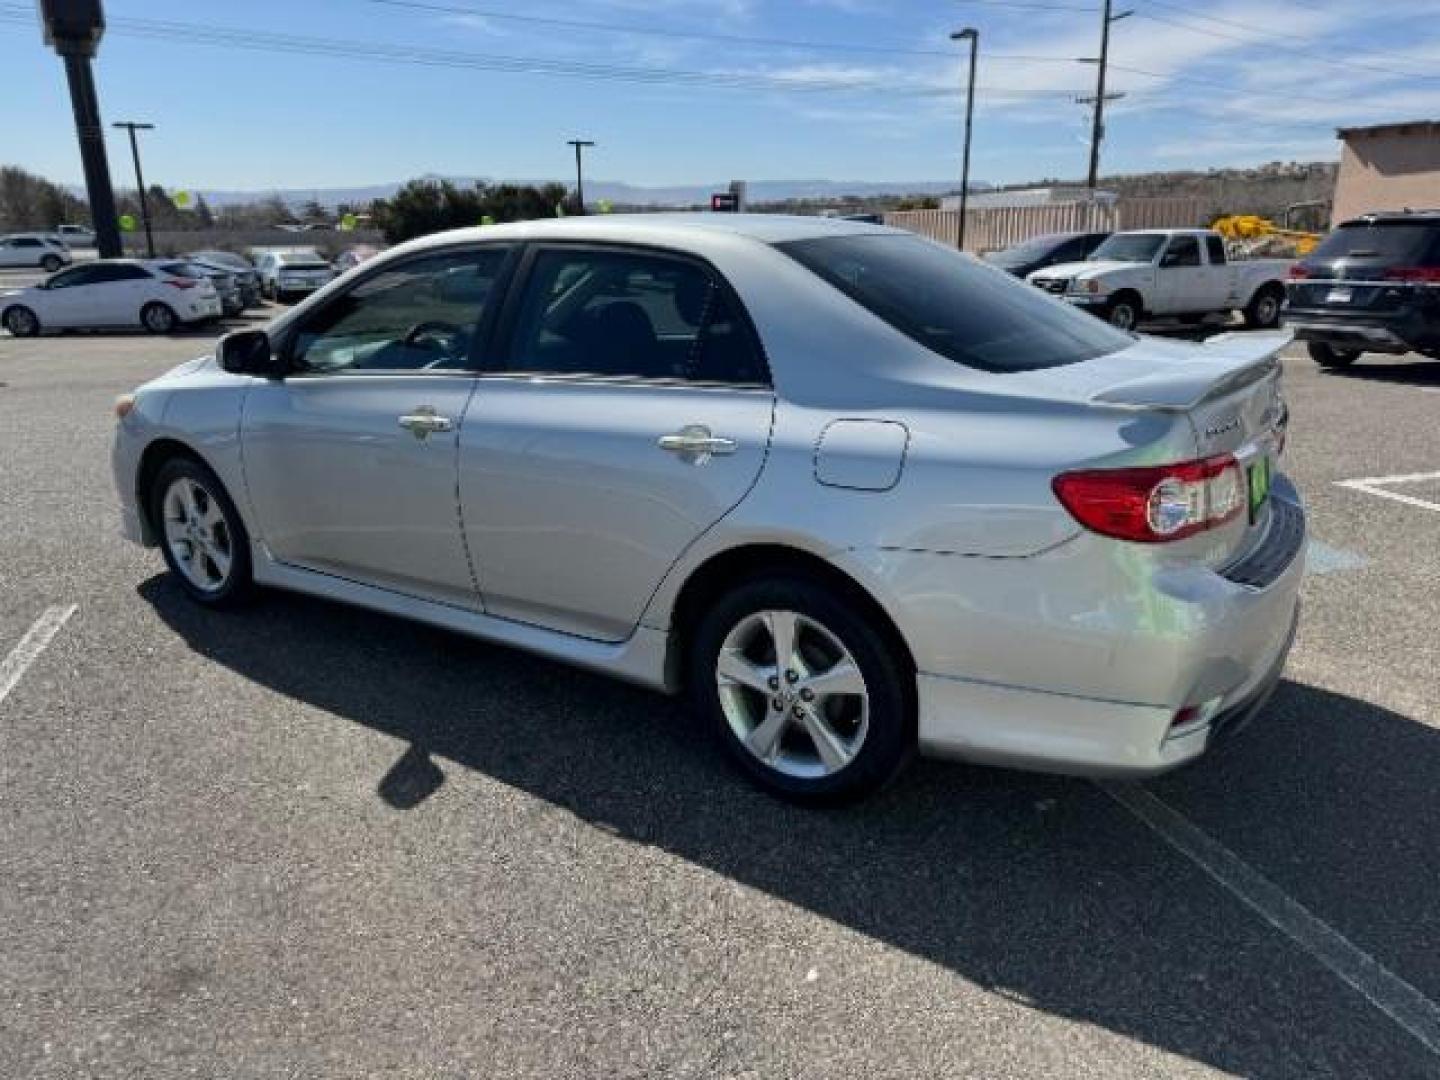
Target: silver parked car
(858, 494)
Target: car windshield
(1030, 250)
(1397, 241)
(958, 307)
(222, 258)
(1131, 247)
(187, 269)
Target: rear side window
(1216, 247)
(955, 306)
(1397, 242)
(631, 314)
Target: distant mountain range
(615, 191)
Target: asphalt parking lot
(301, 840)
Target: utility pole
(132, 127)
(580, 145)
(73, 28)
(973, 36)
(1097, 130)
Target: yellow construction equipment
(1253, 235)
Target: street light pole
(580, 145)
(973, 36)
(133, 127)
(74, 31)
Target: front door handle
(695, 443)
(424, 420)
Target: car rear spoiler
(1227, 363)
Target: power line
(200, 34)
(1257, 39)
(695, 35)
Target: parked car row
(1373, 285)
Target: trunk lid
(1227, 391)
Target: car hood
(1083, 271)
(26, 291)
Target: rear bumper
(1067, 665)
(1027, 729)
(1403, 332)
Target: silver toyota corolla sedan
(857, 494)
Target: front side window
(1183, 251)
(955, 306)
(417, 315)
(80, 275)
(631, 315)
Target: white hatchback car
(37, 251)
(110, 293)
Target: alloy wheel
(198, 535)
(792, 694)
(21, 322)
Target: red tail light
(1155, 504)
(1414, 274)
(1299, 273)
(182, 283)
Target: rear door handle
(695, 443)
(424, 420)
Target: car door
(633, 412)
(350, 459)
(1182, 283)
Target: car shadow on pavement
(1039, 889)
(1407, 372)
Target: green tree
(422, 207)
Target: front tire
(1328, 356)
(810, 700)
(21, 321)
(159, 318)
(1263, 312)
(204, 542)
(1124, 312)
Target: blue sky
(1224, 82)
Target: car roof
(677, 229)
(1418, 217)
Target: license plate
(1259, 476)
(1339, 296)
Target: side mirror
(248, 352)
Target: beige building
(1388, 167)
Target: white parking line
(31, 646)
(1376, 485)
(1389, 993)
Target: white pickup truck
(1182, 273)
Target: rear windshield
(958, 307)
(1134, 247)
(1407, 242)
(186, 269)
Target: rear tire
(204, 542)
(1328, 356)
(834, 721)
(159, 318)
(21, 321)
(50, 263)
(1263, 312)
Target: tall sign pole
(73, 28)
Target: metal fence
(170, 242)
(1002, 227)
